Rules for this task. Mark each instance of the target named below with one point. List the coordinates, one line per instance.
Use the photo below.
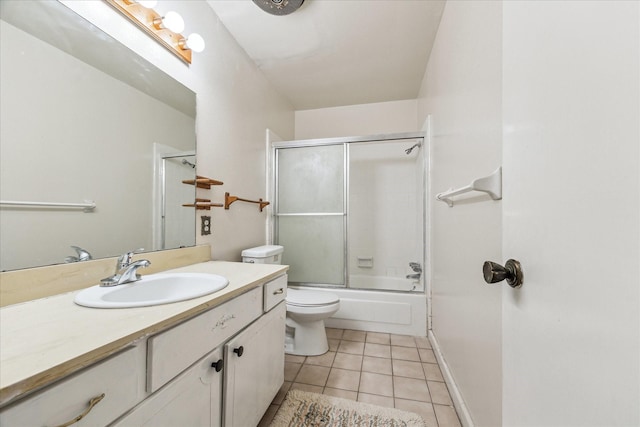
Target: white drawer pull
(279, 291)
(93, 402)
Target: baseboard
(454, 391)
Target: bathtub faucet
(415, 266)
(415, 276)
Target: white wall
(357, 120)
(461, 92)
(235, 106)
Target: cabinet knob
(218, 365)
(512, 272)
(239, 351)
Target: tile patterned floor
(390, 370)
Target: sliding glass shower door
(311, 211)
(350, 213)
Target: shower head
(410, 149)
(279, 7)
(187, 162)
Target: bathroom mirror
(86, 120)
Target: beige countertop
(43, 340)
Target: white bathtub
(385, 283)
(391, 312)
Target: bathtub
(379, 311)
(382, 283)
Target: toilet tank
(268, 254)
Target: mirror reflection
(85, 120)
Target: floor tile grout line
(393, 375)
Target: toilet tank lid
(263, 251)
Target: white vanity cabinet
(192, 399)
(174, 350)
(188, 374)
(254, 370)
(120, 378)
(238, 350)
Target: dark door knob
(239, 351)
(511, 272)
(218, 365)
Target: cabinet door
(192, 399)
(254, 369)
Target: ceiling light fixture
(166, 29)
(279, 7)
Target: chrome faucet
(417, 268)
(126, 270)
(83, 255)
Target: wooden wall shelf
(202, 182)
(203, 204)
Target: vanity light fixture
(171, 20)
(195, 42)
(166, 29)
(149, 4)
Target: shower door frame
(162, 153)
(345, 141)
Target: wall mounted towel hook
(229, 199)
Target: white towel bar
(491, 185)
(88, 206)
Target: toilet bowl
(306, 311)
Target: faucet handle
(126, 258)
(131, 273)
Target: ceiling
(338, 52)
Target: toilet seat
(306, 298)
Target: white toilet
(306, 309)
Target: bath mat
(304, 409)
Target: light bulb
(173, 21)
(149, 4)
(195, 42)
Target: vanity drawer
(120, 378)
(171, 352)
(274, 292)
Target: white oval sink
(153, 289)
